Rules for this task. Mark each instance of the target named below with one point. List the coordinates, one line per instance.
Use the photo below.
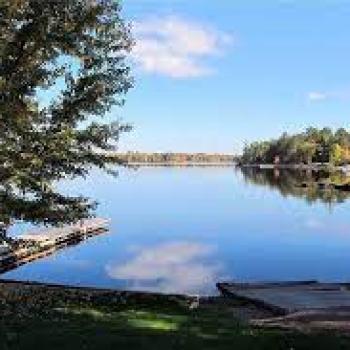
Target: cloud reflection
(177, 267)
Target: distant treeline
(178, 158)
(312, 146)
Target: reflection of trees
(43, 208)
(310, 185)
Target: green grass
(149, 327)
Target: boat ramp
(288, 297)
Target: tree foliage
(313, 145)
(62, 62)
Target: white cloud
(170, 268)
(317, 96)
(316, 224)
(340, 95)
(177, 48)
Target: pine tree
(62, 62)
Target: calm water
(184, 229)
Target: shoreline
(179, 164)
(18, 292)
(23, 303)
(313, 167)
(91, 292)
(58, 318)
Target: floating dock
(284, 298)
(35, 245)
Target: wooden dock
(58, 234)
(285, 298)
(39, 244)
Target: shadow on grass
(153, 327)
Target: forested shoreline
(311, 146)
(175, 158)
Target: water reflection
(194, 227)
(45, 208)
(312, 186)
(174, 267)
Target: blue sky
(212, 74)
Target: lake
(181, 230)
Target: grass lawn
(50, 320)
(164, 326)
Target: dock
(60, 234)
(303, 306)
(285, 298)
(35, 245)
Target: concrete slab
(290, 297)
